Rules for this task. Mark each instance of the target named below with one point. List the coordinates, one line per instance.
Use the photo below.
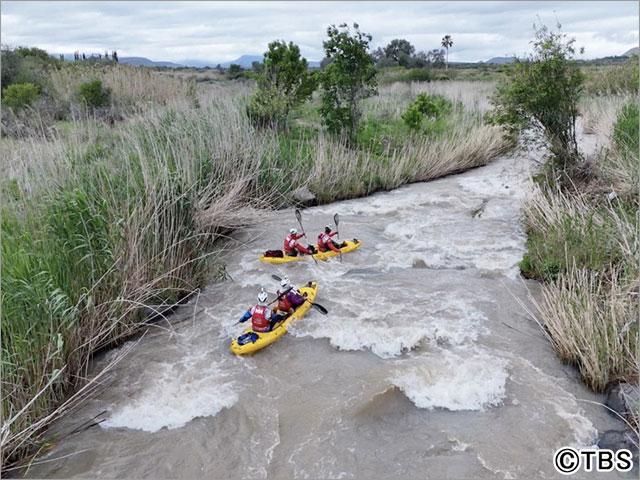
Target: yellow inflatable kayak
(263, 339)
(350, 246)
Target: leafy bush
(392, 75)
(626, 129)
(267, 108)
(19, 95)
(542, 93)
(94, 94)
(426, 106)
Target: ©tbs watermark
(568, 461)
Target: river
(427, 366)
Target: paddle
(317, 306)
(335, 220)
(299, 217)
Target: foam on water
(454, 381)
(395, 321)
(174, 395)
(448, 245)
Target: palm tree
(447, 42)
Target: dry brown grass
(599, 113)
(133, 88)
(593, 323)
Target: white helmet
(284, 283)
(293, 231)
(262, 296)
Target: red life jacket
(325, 241)
(321, 246)
(290, 242)
(259, 320)
(284, 305)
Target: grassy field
(108, 221)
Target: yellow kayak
(350, 246)
(267, 338)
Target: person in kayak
(292, 247)
(288, 300)
(261, 318)
(325, 242)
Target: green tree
(542, 93)
(284, 82)
(347, 79)
(447, 42)
(399, 50)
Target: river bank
(426, 366)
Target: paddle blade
(276, 277)
(298, 215)
(336, 219)
(320, 308)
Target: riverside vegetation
(583, 217)
(122, 182)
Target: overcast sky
(222, 31)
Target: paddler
(292, 247)
(288, 300)
(326, 242)
(260, 315)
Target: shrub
(418, 75)
(94, 94)
(431, 107)
(19, 95)
(267, 108)
(235, 71)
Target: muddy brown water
(427, 366)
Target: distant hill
(145, 62)
(501, 60)
(244, 61)
(631, 52)
(193, 62)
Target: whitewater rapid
(427, 365)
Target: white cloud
(226, 30)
